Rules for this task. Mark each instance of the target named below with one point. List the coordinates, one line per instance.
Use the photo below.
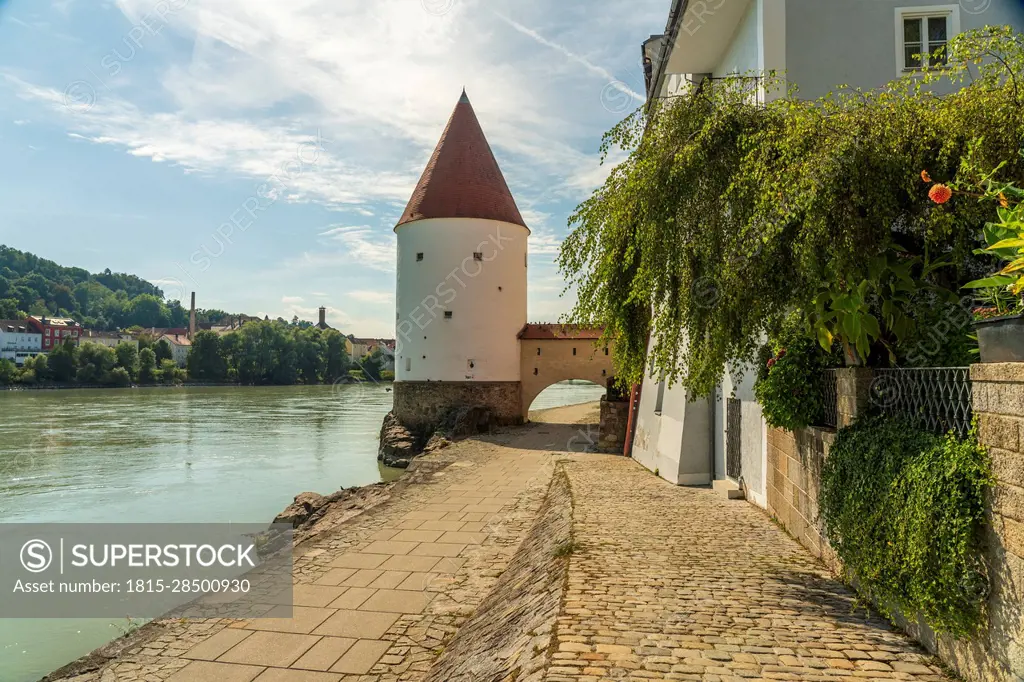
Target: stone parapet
(853, 386)
(423, 405)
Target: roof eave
(675, 20)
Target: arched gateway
(551, 353)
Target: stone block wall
(794, 476)
(795, 460)
(612, 430)
(998, 394)
(423, 404)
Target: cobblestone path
(677, 584)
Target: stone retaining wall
(794, 474)
(510, 634)
(423, 404)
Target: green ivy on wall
(904, 510)
(789, 383)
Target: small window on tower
(606, 351)
(408, 364)
(419, 256)
(574, 351)
(478, 255)
(534, 371)
(538, 351)
(447, 314)
(471, 364)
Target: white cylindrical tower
(461, 300)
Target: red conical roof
(462, 179)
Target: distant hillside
(31, 285)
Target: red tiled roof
(462, 178)
(559, 331)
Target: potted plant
(999, 319)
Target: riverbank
(49, 386)
(438, 544)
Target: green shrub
(903, 510)
(789, 383)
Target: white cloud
(378, 297)
(292, 299)
(360, 244)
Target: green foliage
(1004, 239)
(118, 377)
(63, 361)
(163, 350)
(147, 366)
(8, 372)
(269, 352)
(40, 365)
(128, 359)
(789, 384)
(903, 510)
(727, 214)
(205, 361)
(106, 300)
(170, 373)
(387, 375)
(95, 364)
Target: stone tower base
(423, 405)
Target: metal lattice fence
(936, 398)
(830, 398)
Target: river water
(168, 455)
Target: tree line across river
(263, 352)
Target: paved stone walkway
(663, 583)
(377, 599)
(678, 584)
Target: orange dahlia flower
(940, 194)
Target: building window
(606, 351)
(534, 371)
(471, 364)
(408, 364)
(538, 350)
(447, 314)
(574, 351)
(478, 255)
(660, 402)
(419, 256)
(923, 34)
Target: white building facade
(180, 347)
(19, 341)
(109, 339)
(816, 45)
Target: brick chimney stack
(192, 318)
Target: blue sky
(260, 151)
